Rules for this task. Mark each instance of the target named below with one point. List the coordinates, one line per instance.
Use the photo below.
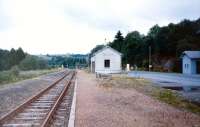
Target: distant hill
(67, 60)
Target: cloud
(4, 20)
(102, 22)
(61, 26)
(130, 14)
(158, 10)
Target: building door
(93, 67)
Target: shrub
(32, 63)
(29, 63)
(4, 76)
(15, 70)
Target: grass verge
(8, 77)
(148, 88)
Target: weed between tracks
(148, 88)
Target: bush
(15, 70)
(42, 64)
(4, 76)
(29, 63)
(32, 63)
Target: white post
(150, 66)
(127, 67)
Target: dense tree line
(166, 44)
(31, 62)
(19, 59)
(11, 58)
(70, 61)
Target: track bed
(50, 107)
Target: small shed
(106, 61)
(190, 62)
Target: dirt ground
(99, 106)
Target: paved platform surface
(98, 106)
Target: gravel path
(98, 106)
(14, 94)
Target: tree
(118, 42)
(4, 60)
(20, 55)
(153, 32)
(15, 56)
(167, 43)
(42, 63)
(33, 62)
(29, 63)
(132, 45)
(12, 58)
(96, 48)
(184, 45)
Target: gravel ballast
(12, 95)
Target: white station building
(106, 61)
(190, 62)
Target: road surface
(168, 78)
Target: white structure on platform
(189, 61)
(106, 60)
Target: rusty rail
(30, 100)
(58, 101)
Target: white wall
(115, 61)
(188, 65)
(193, 67)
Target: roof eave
(110, 48)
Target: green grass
(173, 98)
(146, 87)
(8, 76)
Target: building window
(186, 66)
(107, 63)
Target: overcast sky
(76, 26)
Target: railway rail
(50, 107)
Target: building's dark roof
(192, 54)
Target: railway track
(50, 107)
